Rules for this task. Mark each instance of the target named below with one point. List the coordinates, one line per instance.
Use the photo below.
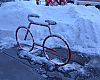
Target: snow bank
(79, 25)
(50, 66)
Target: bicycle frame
(27, 30)
(36, 23)
(48, 25)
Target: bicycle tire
(68, 50)
(21, 44)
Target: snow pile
(71, 67)
(79, 25)
(33, 58)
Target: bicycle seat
(51, 22)
(33, 15)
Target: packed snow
(50, 65)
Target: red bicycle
(55, 48)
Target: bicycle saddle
(51, 22)
(34, 15)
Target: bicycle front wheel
(24, 38)
(56, 50)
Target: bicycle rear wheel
(56, 50)
(24, 44)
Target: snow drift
(78, 24)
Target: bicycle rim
(24, 44)
(56, 50)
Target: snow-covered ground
(79, 25)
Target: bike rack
(47, 24)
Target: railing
(85, 2)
